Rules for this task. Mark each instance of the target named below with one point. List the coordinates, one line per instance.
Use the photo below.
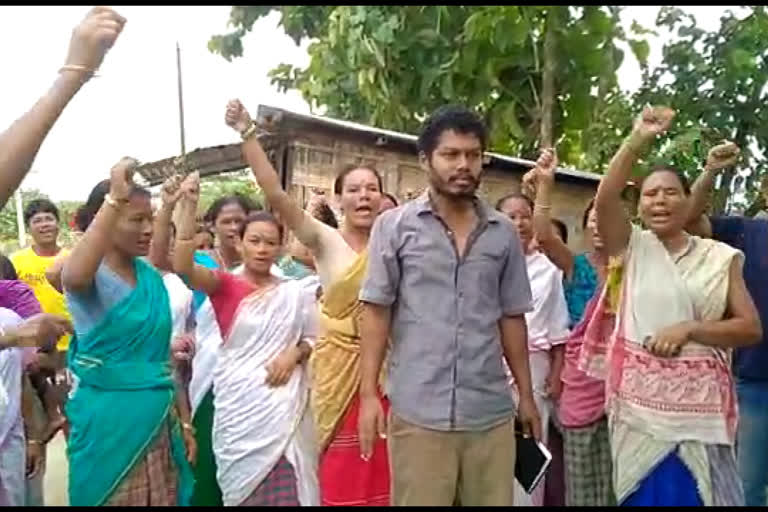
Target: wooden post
(20, 218)
(181, 99)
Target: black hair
(325, 215)
(672, 170)
(562, 228)
(86, 213)
(514, 195)
(260, 216)
(40, 205)
(585, 216)
(242, 201)
(7, 270)
(450, 117)
(338, 183)
(392, 198)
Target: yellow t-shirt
(31, 269)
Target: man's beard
(442, 188)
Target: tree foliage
(718, 83)
(238, 182)
(390, 66)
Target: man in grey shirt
(447, 283)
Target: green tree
(539, 74)
(718, 83)
(239, 182)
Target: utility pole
(181, 99)
(20, 218)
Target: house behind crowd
(308, 151)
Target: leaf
(641, 49)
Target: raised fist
(237, 117)
(546, 164)
(171, 191)
(93, 37)
(190, 187)
(653, 121)
(529, 183)
(722, 156)
(121, 178)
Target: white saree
(254, 424)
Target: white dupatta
(657, 404)
(254, 425)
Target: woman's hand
(722, 156)
(183, 348)
(281, 368)
(190, 188)
(121, 179)
(190, 445)
(670, 340)
(171, 191)
(653, 121)
(35, 458)
(553, 386)
(237, 117)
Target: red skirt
(345, 478)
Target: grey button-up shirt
(446, 369)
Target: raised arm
(20, 143)
(543, 175)
(85, 258)
(199, 277)
(614, 224)
(161, 236)
(720, 157)
(307, 229)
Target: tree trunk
(546, 138)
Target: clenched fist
(654, 121)
(93, 37)
(190, 188)
(722, 156)
(121, 178)
(237, 117)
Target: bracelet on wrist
(34, 441)
(249, 132)
(114, 203)
(188, 427)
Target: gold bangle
(85, 73)
(542, 207)
(114, 203)
(188, 427)
(248, 133)
(34, 441)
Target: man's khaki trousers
(436, 468)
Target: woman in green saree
(131, 442)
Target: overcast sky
(132, 109)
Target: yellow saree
(335, 360)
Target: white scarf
(255, 425)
